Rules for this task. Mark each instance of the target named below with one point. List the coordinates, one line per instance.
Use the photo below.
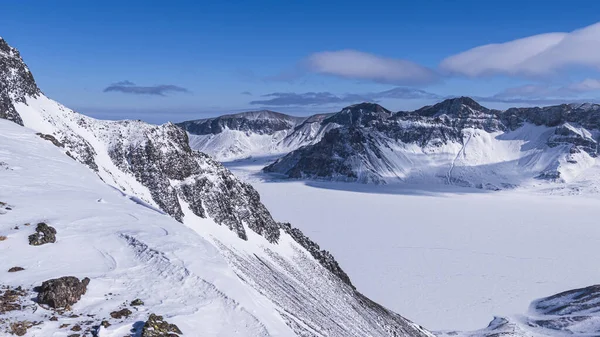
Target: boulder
(44, 234)
(156, 326)
(62, 292)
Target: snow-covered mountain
(255, 133)
(455, 142)
(176, 230)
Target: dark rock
(76, 328)
(20, 328)
(105, 324)
(53, 319)
(11, 299)
(260, 122)
(15, 269)
(136, 302)
(120, 314)
(156, 326)
(17, 82)
(324, 257)
(62, 292)
(51, 139)
(358, 115)
(44, 234)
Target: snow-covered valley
(449, 258)
(106, 224)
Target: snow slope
(129, 251)
(300, 286)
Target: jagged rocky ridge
(155, 167)
(254, 133)
(457, 141)
(17, 82)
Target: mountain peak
(360, 114)
(16, 82)
(460, 107)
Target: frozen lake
(448, 259)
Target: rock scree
(62, 292)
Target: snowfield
(446, 257)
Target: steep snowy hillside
(455, 142)
(285, 273)
(256, 133)
(128, 249)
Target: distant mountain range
(457, 142)
(160, 233)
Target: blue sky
(177, 60)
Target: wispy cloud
(549, 93)
(247, 93)
(325, 98)
(537, 55)
(129, 87)
(359, 65)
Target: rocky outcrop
(156, 326)
(17, 82)
(324, 257)
(43, 234)
(260, 122)
(360, 115)
(369, 144)
(61, 293)
(160, 158)
(344, 154)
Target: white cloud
(359, 65)
(537, 55)
(572, 92)
(584, 86)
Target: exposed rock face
(44, 234)
(372, 145)
(335, 156)
(17, 82)
(156, 326)
(260, 122)
(51, 139)
(62, 292)
(360, 115)
(324, 257)
(254, 133)
(160, 158)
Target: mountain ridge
(154, 167)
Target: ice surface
(446, 257)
